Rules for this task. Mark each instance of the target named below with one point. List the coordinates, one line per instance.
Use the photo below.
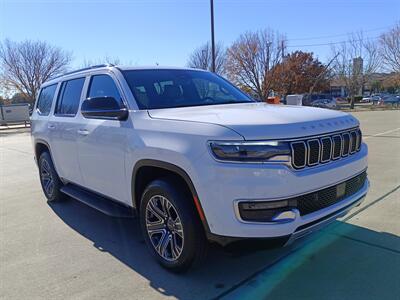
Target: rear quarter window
(46, 99)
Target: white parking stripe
(382, 133)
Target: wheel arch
(40, 147)
(164, 168)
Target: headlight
(251, 151)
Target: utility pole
(212, 37)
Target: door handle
(51, 126)
(83, 132)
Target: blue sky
(147, 32)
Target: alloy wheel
(47, 178)
(164, 228)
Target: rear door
(41, 112)
(63, 128)
(102, 145)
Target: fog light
(264, 205)
(267, 211)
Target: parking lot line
(382, 133)
(370, 204)
(301, 246)
(264, 281)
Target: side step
(106, 206)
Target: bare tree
(26, 65)
(252, 58)
(201, 58)
(105, 60)
(356, 60)
(390, 48)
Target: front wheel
(171, 227)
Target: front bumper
(304, 226)
(220, 186)
(313, 226)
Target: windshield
(178, 88)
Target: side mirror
(103, 108)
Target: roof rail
(83, 69)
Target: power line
(331, 43)
(336, 35)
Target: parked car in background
(14, 114)
(366, 99)
(375, 99)
(390, 100)
(324, 103)
(310, 100)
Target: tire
(51, 183)
(162, 206)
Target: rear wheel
(171, 227)
(51, 183)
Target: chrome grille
(346, 144)
(327, 144)
(311, 152)
(314, 147)
(337, 146)
(353, 142)
(299, 160)
(359, 138)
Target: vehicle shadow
(223, 272)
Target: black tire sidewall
(192, 230)
(57, 195)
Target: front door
(102, 146)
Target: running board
(102, 204)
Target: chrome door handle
(83, 132)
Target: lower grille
(264, 211)
(312, 202)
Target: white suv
(195, 158)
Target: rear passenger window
(103, 86)
(69, 97)
(46, 99)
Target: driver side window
(103, 86)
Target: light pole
(212, 37)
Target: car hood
(255, 121)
